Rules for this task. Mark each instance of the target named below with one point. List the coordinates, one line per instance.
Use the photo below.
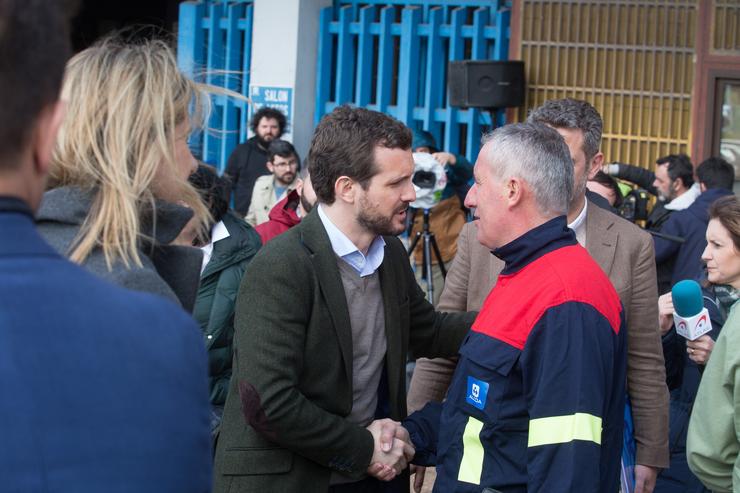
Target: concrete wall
(284, 45)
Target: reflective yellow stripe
(471, 465)
(564, 429)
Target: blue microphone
(690, 317)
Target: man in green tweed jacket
(325, 319)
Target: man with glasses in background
(283, 163)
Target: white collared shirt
(365, 265)
(218, 233)
(579, 224)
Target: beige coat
(263, 198)
(626, 254)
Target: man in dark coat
(325, 319)
(104, 389)
(674, 181)
(248, 161)
(716, 178)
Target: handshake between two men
(393, 451)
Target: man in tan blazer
(622, 250)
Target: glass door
(727, 123)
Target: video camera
(429, 180)
(635, 205)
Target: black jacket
(691, 225)
(246, 164)
(655, 220)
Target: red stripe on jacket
(519, 300)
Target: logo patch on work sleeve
(477, 393)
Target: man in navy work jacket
(103, 389)
(536, 402)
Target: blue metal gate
(391, 56)
(386, 55)
(214, 45)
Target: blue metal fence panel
(385, 61)
(214, 45)
(434, 97)
(345, 53)
(324, 52)
(391, 56)
(477, 52)
(456, 45)
(364, 56)
(408, 71)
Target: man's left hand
(645, 477)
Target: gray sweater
(168, 270)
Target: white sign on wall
(280, 98)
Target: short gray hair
(538, 155)
(572, 114)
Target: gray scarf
(727, 296)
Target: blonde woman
(119, 193)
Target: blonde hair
(124, 102)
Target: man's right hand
(392, 450)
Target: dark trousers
(372, 485)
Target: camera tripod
(429, 247)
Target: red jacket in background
(282, 217)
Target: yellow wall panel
(726, 24)
(633, 60)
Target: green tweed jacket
(284, 426)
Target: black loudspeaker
(485, 84)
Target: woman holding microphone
(685, 359)
(713, 440)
